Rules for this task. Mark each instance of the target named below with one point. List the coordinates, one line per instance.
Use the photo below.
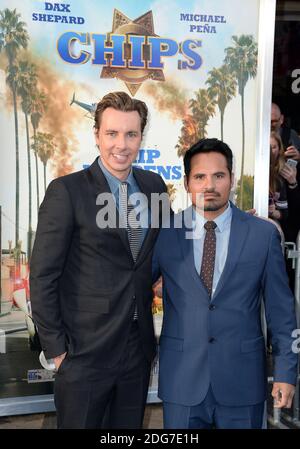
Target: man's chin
(213, 207)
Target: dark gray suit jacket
(83, 280)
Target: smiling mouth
(120, 157)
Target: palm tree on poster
(194, 125)
(44, 148)
(38, 107)
(188, 135)
(27, 80)
(13, 37)
(222, 86)
(242, 61)
(203, 108)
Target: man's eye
(132, 134)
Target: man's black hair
(207, 146)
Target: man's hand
(283, 394)
(58, 360)
(292, 153)
(274, 213)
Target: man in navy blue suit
(212, 349)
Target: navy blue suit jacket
(219, 342)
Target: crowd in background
(284, 179)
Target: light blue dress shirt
(222, 231)
(114, 185)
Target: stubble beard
(214, 206)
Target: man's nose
(121, 142)
(209, 183)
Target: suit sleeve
(52, 241)
(155, 263)
(156, 273)
(164, 186)
(280, 312)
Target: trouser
(119, 394)
(210, 414)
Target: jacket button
(211, 340)
(211, 307)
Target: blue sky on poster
(98, 16)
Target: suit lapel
(237, 238)
(151, 234)
(188, 255)
(100, 185)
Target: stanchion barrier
(294, 254)
(281, 417)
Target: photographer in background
(289, 137)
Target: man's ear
(96, 131)
(281, 119)
(185, 183)
(232, 180)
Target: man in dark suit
(289, 137)
(90, 279)
(212, 351)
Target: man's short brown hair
(121, 101)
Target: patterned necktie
(209, 255)
(134, 230)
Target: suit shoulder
(172, 222)
(261, 224)
(70, 179)
(67, 186)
